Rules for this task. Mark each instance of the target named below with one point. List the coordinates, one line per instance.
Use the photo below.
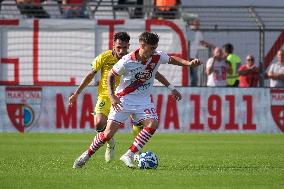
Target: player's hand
(116, 103)
(176, 94)
(195, 63)
(72, 99)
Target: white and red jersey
(137, 78)
(218, 78)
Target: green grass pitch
(221, 161)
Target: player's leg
(135, 131)
(103, 137)
(115, 120)
(136, 128)
(150, 121)
(100, 119)
(140, 140)
(98, 141)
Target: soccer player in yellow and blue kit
(104, 63)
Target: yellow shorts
(103, 105)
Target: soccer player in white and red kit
(132, 96)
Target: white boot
(110, 150)
(81, 161)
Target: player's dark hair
(149, 38)
(229, 48)
(123, 36)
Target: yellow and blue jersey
(104, 62)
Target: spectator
(32, 8)
(249, 73)
(75, 8)
(235, 62)
(167, 8)
(195, 42)
(134, 7)
(217, 69)
(275, 72)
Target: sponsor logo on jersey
(277, 107)
(102, 104)
(23, 106)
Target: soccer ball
(148, 160)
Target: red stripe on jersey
(137, 83)
(133, 55)
(155, 59)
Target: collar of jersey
(133, 57)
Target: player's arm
(175, 60)
(162, 79)
(115, 101)
(85, 82)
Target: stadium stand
(9, 10)
(257, 25)
(53, 7)
(32, 8)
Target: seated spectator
(249, 73)
(32, 8)
(138, 11)
(75, 8)
(167, 8)
(275, 72)
(133, 7)
(217, 69)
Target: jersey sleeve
(97, 63)
(118, 68)
(165, 58)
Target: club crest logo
(277, 107)
(23, 106)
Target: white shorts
(138, 112)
